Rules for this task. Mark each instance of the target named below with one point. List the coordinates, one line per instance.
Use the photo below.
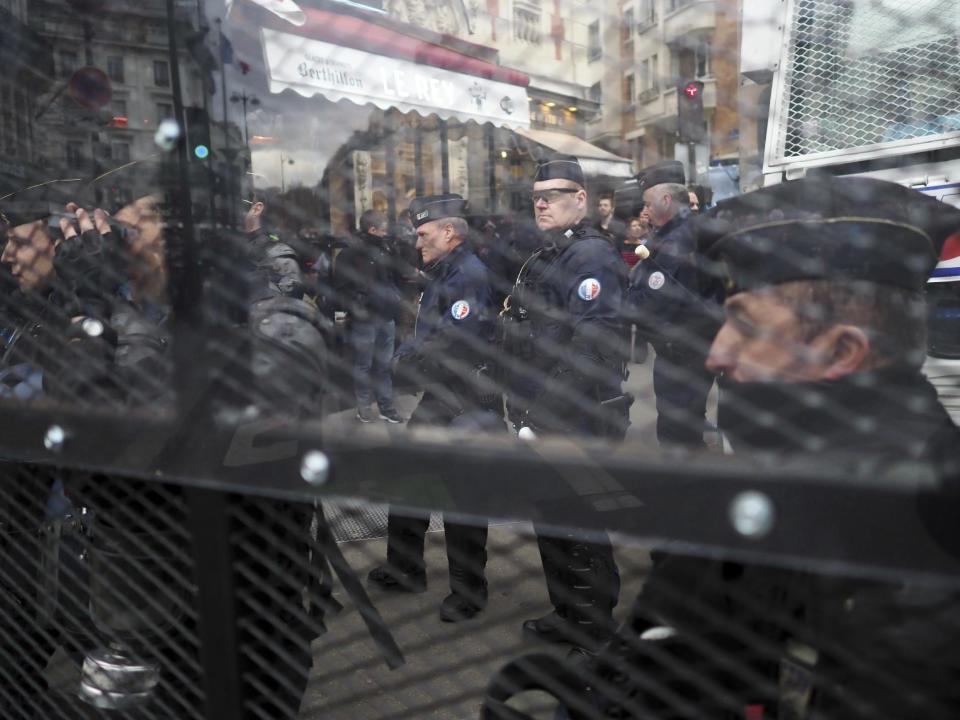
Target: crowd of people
(804, 302)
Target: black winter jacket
(366, 276)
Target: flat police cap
(826, 228)
(668, 171)
(563, 167)
(36, 201)
(434, 207)
(39, 199)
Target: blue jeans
(372, 344)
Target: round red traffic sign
(90, 88)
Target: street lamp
(243, 98)
(289, 161)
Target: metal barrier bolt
(54, 438)
(527, 434)
(752, 514)
(92, 327)
(315, 467)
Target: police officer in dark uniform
(820, 357)
(667, 303)
(449, 355)
(825, 331)
(564, 347)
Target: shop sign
(312, 67)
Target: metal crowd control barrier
(184, 572)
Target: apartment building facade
(657, 45)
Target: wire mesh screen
(861, 74)
(289, 429)
(100, 616)
(97, 576)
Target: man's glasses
(551, 196)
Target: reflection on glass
(326, 112)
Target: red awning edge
(360, 34)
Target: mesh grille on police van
(863, 75)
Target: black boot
(390, 579)
(583, 584)
(404, 570)
(467, 558)
(456, 607)
(551, 628)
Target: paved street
(448, 666)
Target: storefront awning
(315, 67)
(359, 33)
(594, 160)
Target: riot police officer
(667, 304)
(820, 356)
(448, 355)
(564, 345)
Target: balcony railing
(660, 104)
(644, 24)
(648, 94)
(696, 16)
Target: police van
(855, 88)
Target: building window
(648, 15)
(702, 58)
(115, 68)
(594, 47)
(677, 4)
(596, 93)
(665, 146)
(526, 22)
(678, 67)
(21, 114)
(626, 29)
(164, 111)
(118, 108)
(120, 152)
(629, 89)
(161, 73)
(68, 63)
(649, 78)
(6, 108)
(74, 153)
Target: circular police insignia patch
(589, 289)
(460, 310)
(656, 280)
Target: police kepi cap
(826, 228)
(36, 201)
(434, 207)
(668, 171)
(562, 167)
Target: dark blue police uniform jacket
(665, 296)
(564, 341)
(455, 323)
